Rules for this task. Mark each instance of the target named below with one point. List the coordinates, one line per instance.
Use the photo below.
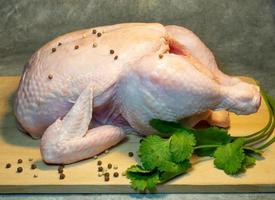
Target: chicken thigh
(84, 90)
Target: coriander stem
(207, 146)
(272, 140)
(266, 144)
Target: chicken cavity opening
(176, 48)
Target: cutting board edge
(125, 189)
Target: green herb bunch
(167, 154)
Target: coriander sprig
(166, 155)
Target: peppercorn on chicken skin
(83, 91)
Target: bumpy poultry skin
(83, 90)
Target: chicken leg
(187, 43)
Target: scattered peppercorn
(76, 47)
(19, 161)
(116, 57)
(109, 166)
(61, 176)
(50, 76)
(116, 174)
(112, 51)
(99, 162)
(130, 154)
(59, 44)
(33, 166)
(60, 170)
(99, 34)
(94, 45)
(35, 176)
(8, 165)
(19, 169)
(160, 56)
(60, 167)
(94, 31)
(100, 169)
(107, 174)
(106, 178)
(53, 50)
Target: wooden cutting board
(82, 177)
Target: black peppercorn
(109, 166)
(33, 166)
(19, 161)
(112, 51)
(94, 31)
(106, 178)
(19, 169)
(130, 154)
(99, 34)
(116, 174)
(100, 169)
(60, 167)
(107, 174)
(116, 57)
(60, 170)
(8, 165)
(53, 50)
(76, 47)
(99, 162)
(61, 176)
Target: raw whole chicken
(83, 91)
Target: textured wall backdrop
(241, 33)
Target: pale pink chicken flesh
(83, 91)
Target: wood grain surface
(82, 177)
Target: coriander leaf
(229, 157)
(248, 161)
(165, 127)
(182, 168)
(210, 136)
(141, 179)
(181, 145)
(154, 153)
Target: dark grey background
(241, 33)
